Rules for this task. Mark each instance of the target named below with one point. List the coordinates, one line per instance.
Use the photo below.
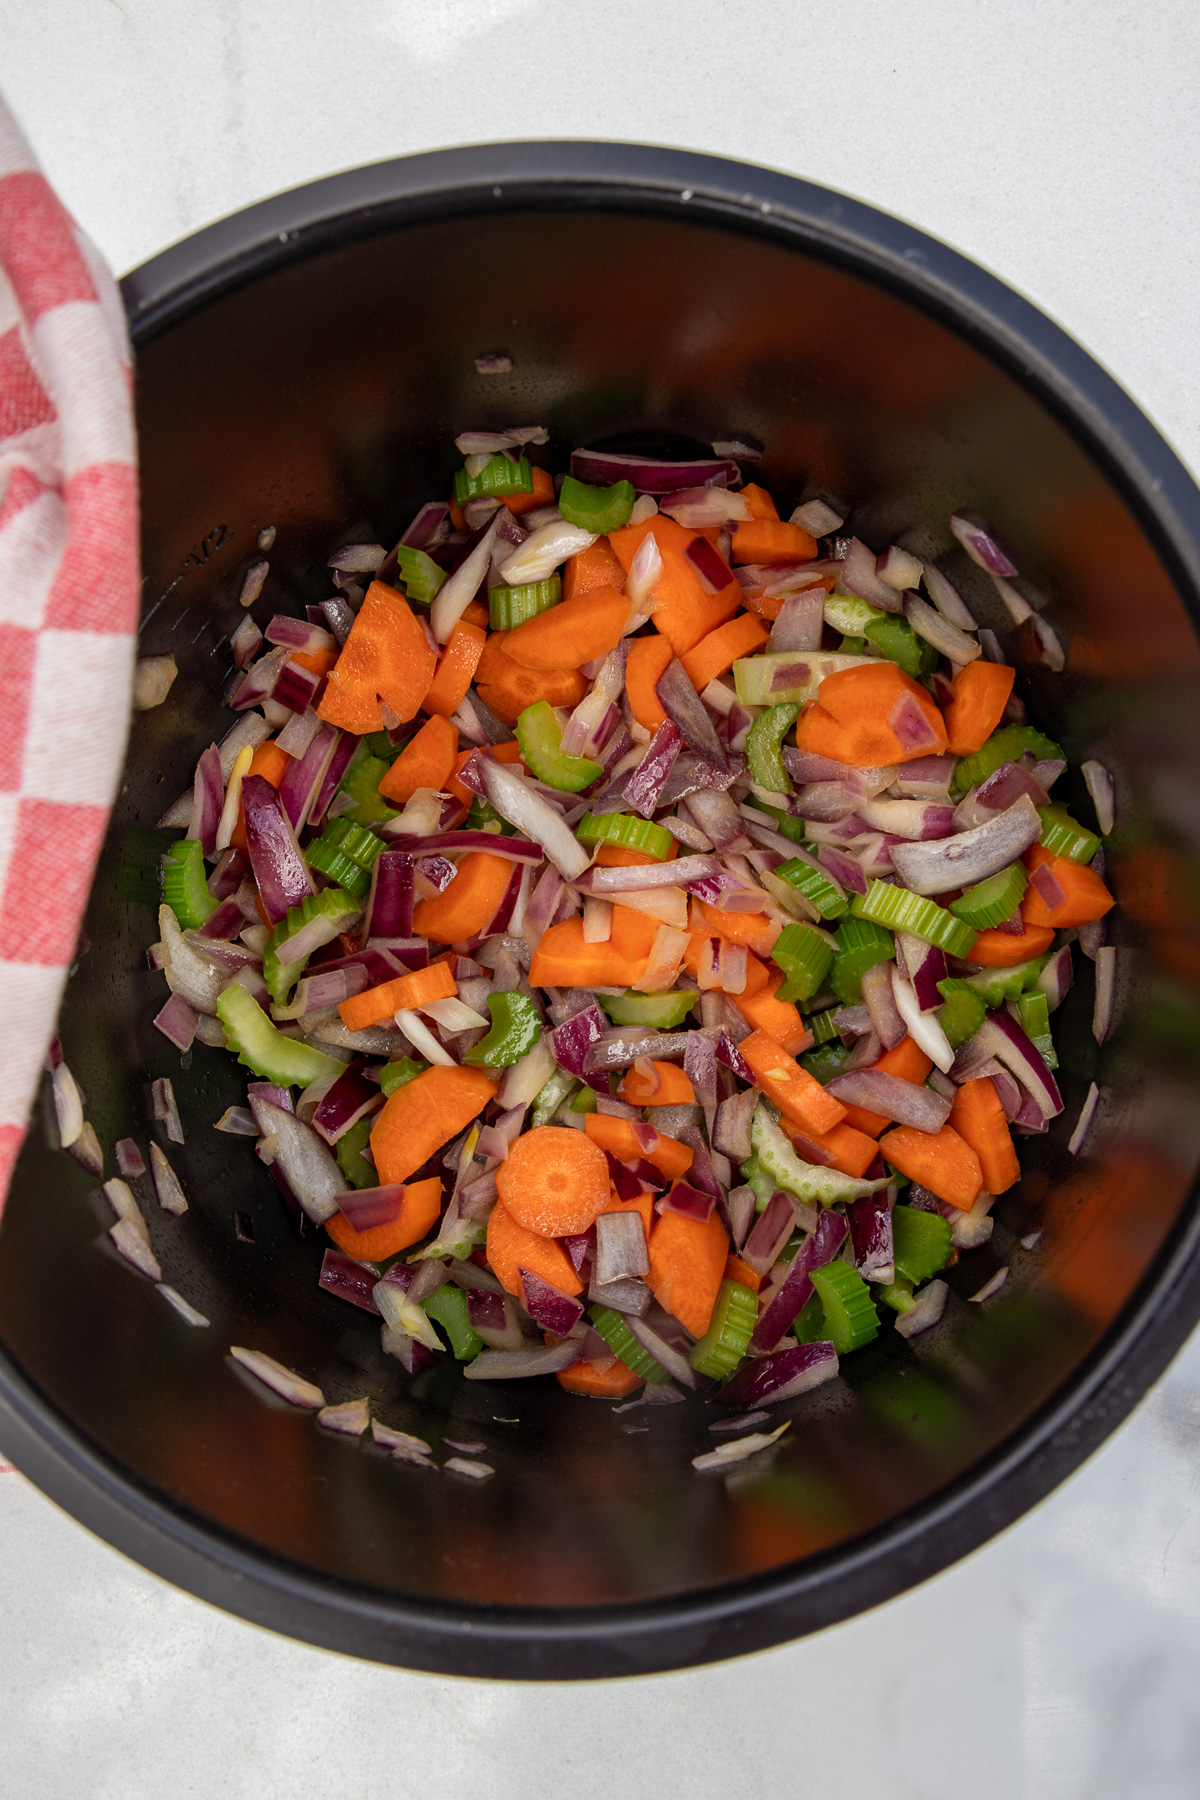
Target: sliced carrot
(426, 761)
(418, 988)
(756, 930)
(554, 1182)
(673, 1088)
(503, 753)
(476, 614)
(572, 633)
(317, 662)
(271, 763)
(387, 657)
(771, 541)
(1003, 950)
(610, 1380)
(979, 1120)
(647, 663)
(718, 652)
(851, 720)
(941, 1161)
(562, 959)
(853, 1151)
(981, 692)
(1087, 898)
(617, 1136)
(620, 856)
(641, 1203)
(456, 669)
(795, 1092)
(769, 606)
(760, 502)
(510, 1248)
(508, 688)
(424, 1114)
(865, 745)
(595, 567)
(780, 1019)
(468, 905)
(420, 1207)
(687, 1267)
(742, 1273)
(683, 613)
(541, 495)
(458, 517)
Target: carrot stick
(508, 688)
(617, 1136)
(771, 541)
(943, 1162)
(455, 670)
(424, 1114)
(760, 502)
(687, 1267)
(510, 1248)
(795, 1092)
(647, 663)
(683, 613)
(468, 905)
(673, 1088)
(554, 1182)
(741, 1272)
(504, 753)
(595, 567)
(981, 692)
(542, 495)
(571, 633)
(719, 651)
(420, 1207)
(979, 1120)
(780, 1019)
(610, 1380)
(1087, 898)
(1001, 950)
(415, 989)
(426, 761)
(386, 657)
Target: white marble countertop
(1059, 147)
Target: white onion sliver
(68, 1104)
(152, 680)
(184, 1308)
(1019, 608)
(422, 1039)
(542, 552)
(171, 1196)
(1100, 787)
(283, 1381)
(517, 802)
(816, 517)
(350, 1416)
(938, 631)
(478, 1471)
(1087, 1113)
(135, 1248)
(231, 810)
(946, 598)
(1106, 975)
(644, 507)
(923, 1028)
(990, 1287)
(457, 592)
(737, 1449)
(252, 583)
(454, 1015)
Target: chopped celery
(826, 1060)
(334, 907)
(539, 735)
(551, 1097)
(818, 1185)
(346, 854)
(420, 576)
(805, 956)
(378, 743)
(1065, 836)
(993, 901)
(850, 1317)
(898, 1295)
(853, 646)
(627, 830)
(263, 1049)
(922, 1243)
(509, 607)
(861, 944)
(803, 671)
(897, 640)
(754, 1175)
(1008, 744)
(515, 1029)
(902, 911)
(763, 743)
(999, 985)
(397, 1074)
(597, 509)
(850, 616)
(584, 1101)
(622, 1343)
(184, 884)
(810, 1323)
(784, 823)
(447, 1307)
(814, 884)
(727, 1339)
(350, 1159)
(362, 784)
(665, 1012)
(963, 1012)
(1033, 1014)
(822, 1026)
(497, 476)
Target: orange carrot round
(510, 1248)
(687, 1267)
(555, 1181)
(424, 1114)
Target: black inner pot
(306, 365)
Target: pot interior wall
(323, 399)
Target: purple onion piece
(390, 905)
(296, 687)
(683, 705)
(871, 1234)
(208, 797)
(519, 1365)
(335, 769)
(279, 869)
(665, 1353)
(342, 1276)
(600, 468)
(1003, 1038)
(296, 634)
(691, 1201)
(700, 1067)
(771, 1232)
(710, 566)
(903, 1101)
(365, 1208)
(1055, 979)
(350, 1099)
(971, 856)
(571, 1041)
(517, 849)
(782, 1376)
(620, 1248)
(177, 1022)
(547, 1305)
(301, 780)
(782, 1309)
(981, 546)
(644, 786)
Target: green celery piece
(754, 1175)
(993, 901)
(539, 735)
(861, 944)
(805, 956)
(498, 476)
(1033, 1016)
(622, 1343)
(825, 1061)
(664, 1012)
(822, 1026)
(763, 744)
(484, 817)
(898, 1295)
(727, 1339)
(447, 1307)
(922, 1243)
(999, 985)
(900, 644)
(267, 1052)
(850, 616)
(850, 1317)
(515, 1029)
(584, 1101)
(901, 910)
(346, 854)
(334, 907)
(596, 509)
(509, 607)
(627, 830)
(852, 646)
(963, 1013)
(184, 884)
(814, 884)
(782, 822)
(420, 576)
(1008, 744)
(551, 1097)
(379, 744)
(819, 1186)
(753, 675)
(350, 1159)
(810, 1321)
(362, 784)
(1065, 836)
(399, 1073)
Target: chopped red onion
(946, 638)
(871, 1234)
(354, 559)
(771, 1232)
(515, 800)
(799, 621)
(459, 589)
(970, 856)
(683, 705)
(1047, 884)
(899, 568)
(699, 508)
(165, 1109)
(926, 777)
(520, 1365)
(349, 1280)
(297, 634)
(1103, 794)
(237, 1121)
(1102, 1010)
(991, 1287)
(893, 1098)
(351, 1417)
(1003, 1038)
(68, 1105)
(177, 1022)
(691, 1201)
(886, 1022)
(858, 577)
(279, 868)
(129, 1158)
(709, 566)
(153, 677)
(981, 546)
(296, 687)
(925, 965)
(272, 1374)
(644, 786)
(925, 1311)
(768, 1379)
(302, 1158)
(547, 1305)
(339, 762)
(571, 1041)
(208, 795)
(389, 910)
(601, 468)
(350, 1099)
(790, 1296)
(1083, 1125)
(915, 820)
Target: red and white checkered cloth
(68, 601)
